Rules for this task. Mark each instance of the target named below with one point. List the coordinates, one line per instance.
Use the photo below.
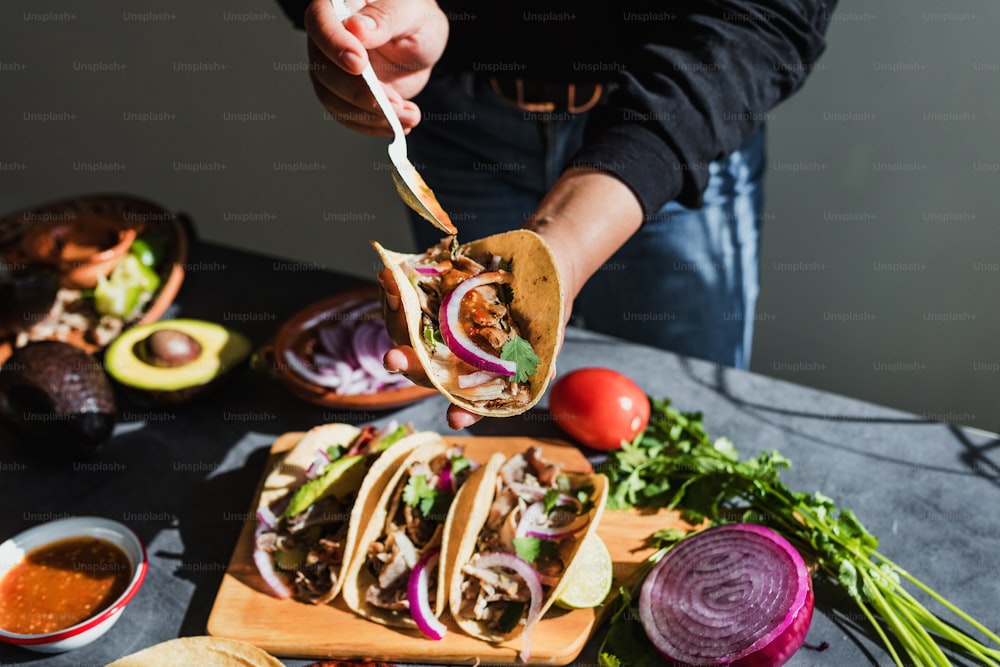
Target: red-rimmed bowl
(14, 550)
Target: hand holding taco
(484, 320)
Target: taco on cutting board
(398, 574)
(508, 563)
(483, 318)
(314, 502)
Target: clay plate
(299, 329)
(130, 214)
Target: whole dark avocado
(57, 394)
(26, 294)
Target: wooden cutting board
(245, 610)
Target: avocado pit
(168, 348)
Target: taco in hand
(314, 502)
(397, 576)
(484, 318)
(508, 562)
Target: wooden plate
(126, 211)
(244, 610)
(297, 332)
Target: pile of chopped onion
(735, 594)
(347, 356)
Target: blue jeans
(687, 281)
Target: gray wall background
(881, 270)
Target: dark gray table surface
(182, 478)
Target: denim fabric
(686, 282)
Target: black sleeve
(295, 10)
(685, 100)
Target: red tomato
(598, 407)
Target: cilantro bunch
(674, 464)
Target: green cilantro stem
(674, 464)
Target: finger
(337, 43)
(382, 21)
(459, 418)
(344, 95)
(392, 313)
(403, 359)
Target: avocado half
(210, 352)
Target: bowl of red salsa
(64, 583)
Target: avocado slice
(57, 394)
(171, 361)
(339, 478)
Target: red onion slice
(477, 378)
(454, 334)
(418, 594)
(735, 594)
(536, 522)
(521, 568)
(428, 269)
(267, 517)
(265, 565)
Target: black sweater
(689, 80)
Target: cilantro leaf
(520, 352)
(531, 549)
(432, 503)
(417, 491)
(432, 336)
(550, 499)
(511, 616)
(459, 464)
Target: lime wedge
(589, 577)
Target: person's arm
(696, 83)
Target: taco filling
(523, 549)
(467, 325)
(413, 532)
(301, 538)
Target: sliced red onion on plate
(418, 594)
(735, 594)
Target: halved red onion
(265, 565)
(418, 594)
(454, 334)
(536, 522)
(520, 567)
(735, 594)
